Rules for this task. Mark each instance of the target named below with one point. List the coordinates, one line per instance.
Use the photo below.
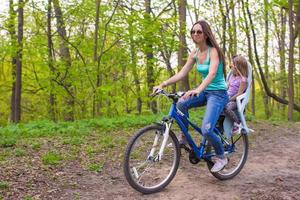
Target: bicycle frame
(180, 118)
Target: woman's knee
(206, 129)
(182, 106)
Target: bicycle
(164, 150)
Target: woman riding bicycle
(210, 63)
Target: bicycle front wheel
(236, 158)
(144, 170)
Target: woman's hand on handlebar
(191, 93)
(156, 88)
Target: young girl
(237, 85)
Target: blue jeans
(215, 101)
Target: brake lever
(156, 92)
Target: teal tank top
(218, 83)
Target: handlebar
(173, 96)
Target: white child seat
(241, 101)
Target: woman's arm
(182, 73)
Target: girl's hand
(191, 93)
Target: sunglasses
(194, 32)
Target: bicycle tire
(129, 172)
(224, 174)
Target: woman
(211, 92)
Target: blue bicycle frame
(181, 119)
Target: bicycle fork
(163, 145)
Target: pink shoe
(237, 128)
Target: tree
(149, 52)
(64, 79)
(263, 79)
(52, 98)
(13, 38)
(266, 44)
(17, 61)
(291, 62)
(182, 52)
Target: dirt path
(272, 171)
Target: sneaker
(219, 164)
(237, 128)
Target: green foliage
(35, 145)
(19, 152)
(107, 142)
(76, 141)
(8, 141)
(3, 185)
(96, 167)
(124, 39)
(51, 158)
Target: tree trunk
(13, 36)
(65, 56)
(52, 97)
(251, 60)
(98, 2)
(234, 32)
(99, 71)
(266, 67)
(182, 52)
(283, 77)
(229, 28)
(133, 53)
(149, 54)
(298, 75)
(224, 22)
(291, 63)
(18, 71)
(265, 84)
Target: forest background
(71, 60)
(75, 79)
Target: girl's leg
(229, 111)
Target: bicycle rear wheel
(143, 169)
(236, 159)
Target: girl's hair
(241, 64)
(211, 41)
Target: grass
(35, 145)
(96, 167)
(83, 144)
(75, 141)
(19, 152)
(3, 185)
(51, 158)
(8, 141)
(10, 134)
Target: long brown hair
(241, 64)
(211, 41)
